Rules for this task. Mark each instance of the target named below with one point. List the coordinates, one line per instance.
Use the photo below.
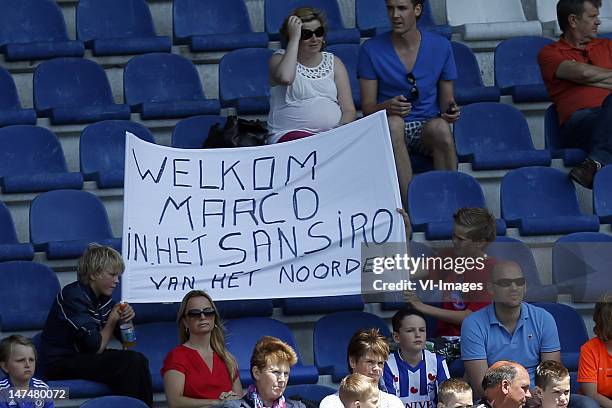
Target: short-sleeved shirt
(483, 337)
(35, 384)
(595, 366)
(200, 381)
(385, 400)
(415, 386)
(379, 61)
(569, 96)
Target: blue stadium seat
(495, 136)
(118, 401)
(434, 197)
(349, 54)
(232, 309)
(571, 157)
(213, 25)
(243, 80)
(191, 133)
(64, 222)
(242, 334)
(26, 295)
(517, 72)
(572, 332)
(150, 312)
(580, 265)
(311, 392)
(31, 159)
(512, 249)
(162, 86)
(118, 27)
(605, 35)
(275, 12)
(155, 340)
(10, 248)
(102, 150)
(35, 29)
(602, 195)
(371, 18)
(542, 201)
(468, 86)
(74, 90)
(11, 112)
(331, 336)
(315, 305)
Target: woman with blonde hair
(310, 90)
(200, 371)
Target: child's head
(602, 316)
(454, 393)
(552, 384)
(100, 268)
(474, 229)
(358, 391)
(18, 358)
(409, 329)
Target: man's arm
(590, 390)
(555, 356)
(475, 371)
(397, 105)
(585, 74)
(446, 100)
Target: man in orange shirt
(577, 72)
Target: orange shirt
(570, 96)
(595, 366)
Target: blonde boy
(358, 391)
(552, 384)
(454, 393)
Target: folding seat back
(331, 336)
(191, 133)
(328, 304)
(572, 332)
(155, 340)
(552, 140)
(311, 392)
(243, 80)
(113, 19)
(602, 194)
(469, 87)
(102, 150)
(349, 54)
(370, 16)
(68, 215)
(9, 99)
(113, 401)
(69, 83)
(546, 10)
(27, 292)
(516, 65)
(8, 235)
(243, 334)
(25, 21)
(10, 248)
(202, 17)
(160, 77)
(461, 12)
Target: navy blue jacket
(74, 323)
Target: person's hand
(126, 313)
(398, 105)
(228, 396)
(411, 297)
(294, 28)
(452, 113)
(406, 219)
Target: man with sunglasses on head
(577, 71)
(507, 329)
(409, 73)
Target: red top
(457, 300)
(200, 382)
(595, 366)
(570, 96)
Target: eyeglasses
(196, 313)
(307, 34)
(506, 283)
(414, 91)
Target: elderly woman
(310, 90)
(200, 371)
(270, 366)
(366, 354)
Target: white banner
(277, 221)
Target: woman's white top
(310, 103)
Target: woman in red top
(200, 371)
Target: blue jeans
(591, 131)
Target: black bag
(236, 133)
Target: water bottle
(128, 333)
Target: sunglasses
(307, 34)
(196, 313)
(414, 91)
(506, 283)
